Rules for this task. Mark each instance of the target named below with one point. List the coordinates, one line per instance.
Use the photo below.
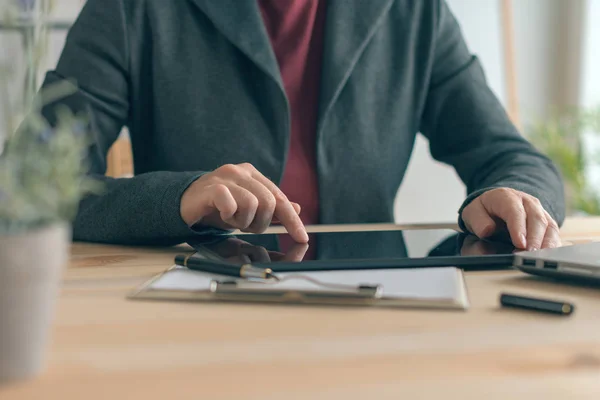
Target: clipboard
(275, 291)
(334, 288)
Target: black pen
(221, 268)
(534, 304)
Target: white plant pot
(31, 267)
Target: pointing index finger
(284, 211)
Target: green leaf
(560, 138)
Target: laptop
(579, 263)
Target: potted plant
(42, 179)
(569, 138)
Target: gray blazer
(198, 86)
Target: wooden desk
(105, 347)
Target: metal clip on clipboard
(270, 291)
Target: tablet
(410, 248)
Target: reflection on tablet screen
(273, 248)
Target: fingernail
(303, 235)
(523, 240)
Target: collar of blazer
(349, 27)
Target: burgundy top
(296, 29)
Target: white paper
(421, 283)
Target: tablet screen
(355, 245)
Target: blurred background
(541, 58)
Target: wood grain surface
(107, 347)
